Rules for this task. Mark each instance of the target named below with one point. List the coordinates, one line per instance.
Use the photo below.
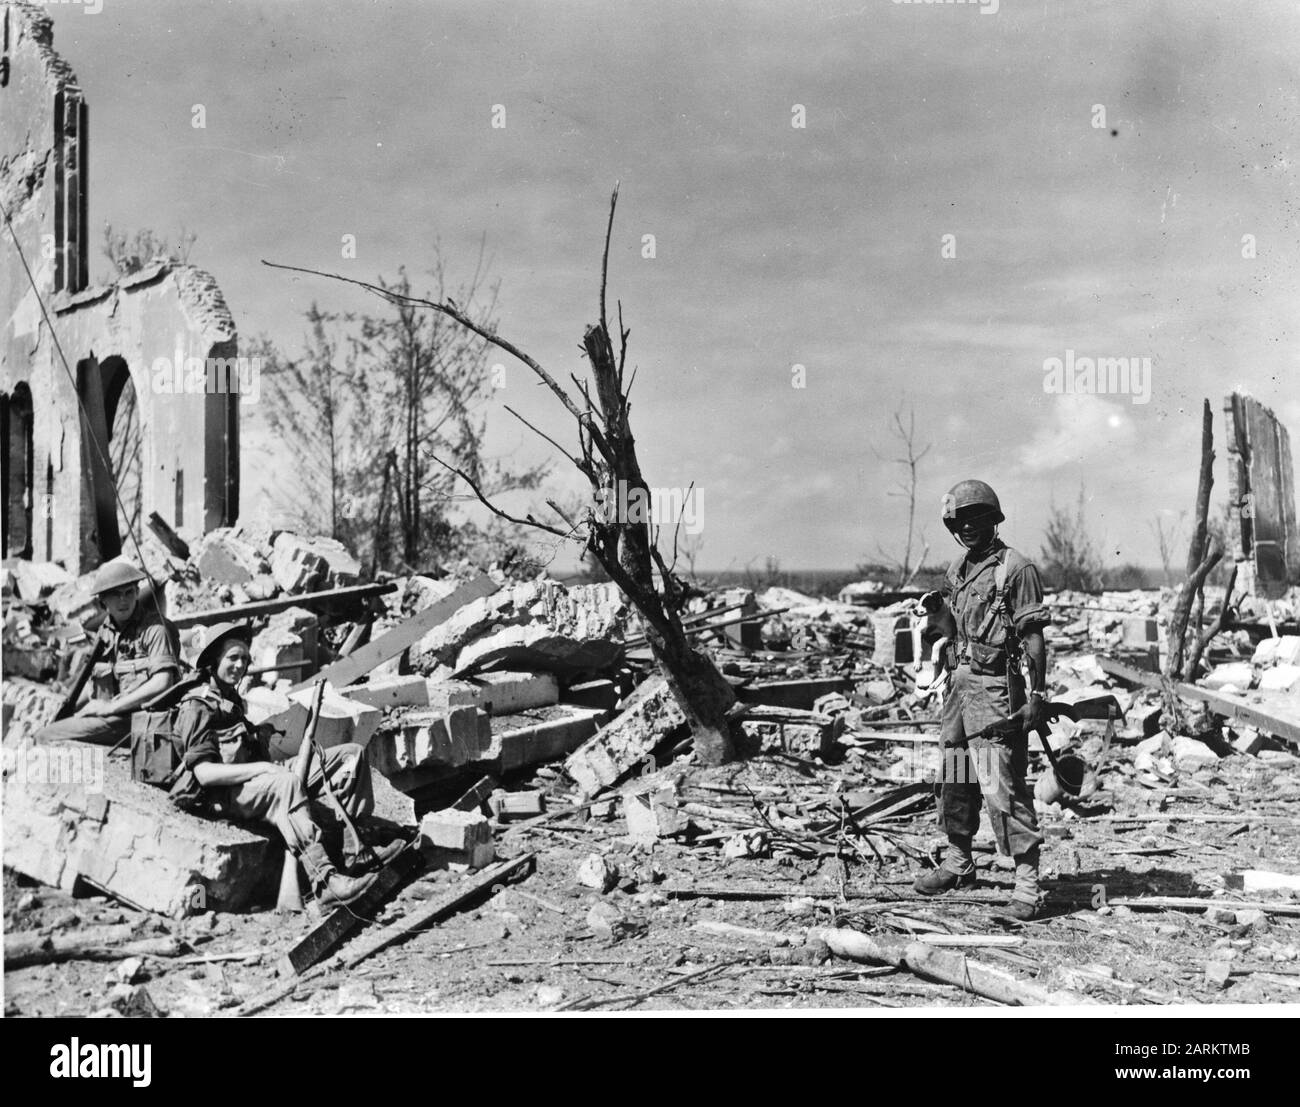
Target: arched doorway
(122, 413)
(16, 447)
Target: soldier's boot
(331, 887)
(361, 853)
(1024, 899)
(957, 870)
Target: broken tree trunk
(1203, 555)
(617, 522)
(23, 950)
(944, 966)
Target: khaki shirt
(211, 727)
(970, 590)
(147, 645)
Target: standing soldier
(991, 611)
(138, 658)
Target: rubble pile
(525, 724)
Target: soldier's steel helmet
(970, 494)
(216, 636)
(117, 573)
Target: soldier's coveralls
(144, 647)
(978, 695)
(211, 727)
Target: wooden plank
(334, 931)
(402, 637)
(1232, 709)
(476, 796)
(176, 545)
(281, 603)
(439, 907)
(893, 736)
(1191, 903)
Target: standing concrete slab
(649, 715)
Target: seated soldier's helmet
(216, 636)
(970, 494)
(115, 574)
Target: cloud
(1073, 429)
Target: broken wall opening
(17, 448)
(122, 413)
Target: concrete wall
(189, 440)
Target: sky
(973, 193)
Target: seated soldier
(230, 768)
(139, 658)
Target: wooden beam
(281, 603)
(1232, 709)
(402, 637)
(334, 931)
(439, 907)
(176, 545)
(1192, 903)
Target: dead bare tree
(624, 546)
(906, 489)
(1203, 555)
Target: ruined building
(64, 436)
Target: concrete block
(523, 741)
(537, 647)
(309, 564)
(1284, 650)
(1280, 678)
(129, 840)
(786, 730)
(72, 602)
(584, 611)
(652, 813)
(387, 693)
(28, 707)
(1237, 673)
(1140, 631)
(446, 694)
(1250, 741)
(34, 580)
(598, 873)
(289, 636)
(442, 644)
(457, 839)
(507, 693)
(1255, 881)
(1217, 974)
(224, 558)
(1189, 754)
(648, 717)
(507, 806)
(446, 739)
(341, 719)
(878, 691)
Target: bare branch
(527, 521)
(449, 309)
(583, 468)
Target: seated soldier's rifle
(69, 704)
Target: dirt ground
(653, 942)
